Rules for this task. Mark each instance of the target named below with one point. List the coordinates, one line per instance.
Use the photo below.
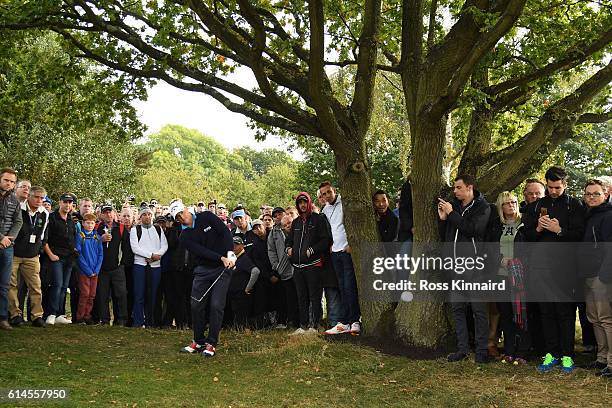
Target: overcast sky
(169, 105)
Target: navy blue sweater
(209, 240)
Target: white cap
(176, 207)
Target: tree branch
(411, 52)
(431, 28)
(577, 54)
(483, 45)
(200, 87)
(320, 94)
(565, 112)
(366, 67)
(595, 117)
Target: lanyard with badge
(33, 220)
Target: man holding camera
(555, 218)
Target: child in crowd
(89, 247)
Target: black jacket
(241, 274)
(112, 249)
(209, 241)
(406, 221)
(180, 259)
(258, 252)
(493, 237)
(127, 257)
(467, 224)
(570, 213)
(31, 226)
(61, 235)
(552, 263)
(595, 258)
(387, 226)
(308, 233)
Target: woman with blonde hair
(507, 230)
(513, 314)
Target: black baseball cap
(238, 240)
(106, 207)
(277, 210)
(68, 197)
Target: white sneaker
(339, 329)
(312, 331)
(356, 328)
(192, 348)
(62, 320)
(51, 319)
(281, 326)
(298, 332)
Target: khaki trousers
(30, 271)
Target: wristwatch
(560, 233)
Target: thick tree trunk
(354, 175)
(424, 322)
(478, 143)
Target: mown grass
(136, 367)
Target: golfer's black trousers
(208, 309)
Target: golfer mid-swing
(209, 240)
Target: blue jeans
(60, 278)
(140, 287)
(6, 268)
(334, 306)
(347, 284)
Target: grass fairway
(136, 367)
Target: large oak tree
(438, 48)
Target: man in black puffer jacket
(305, 245)
(465, 221)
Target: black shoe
(90, 322)
(590, 349)
(456, 356)
(119, 323)
(39, 322)
(16, 321)
(482, 358)
(605, 373)
(597, 365)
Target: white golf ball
(407, 296)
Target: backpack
(139, 231)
